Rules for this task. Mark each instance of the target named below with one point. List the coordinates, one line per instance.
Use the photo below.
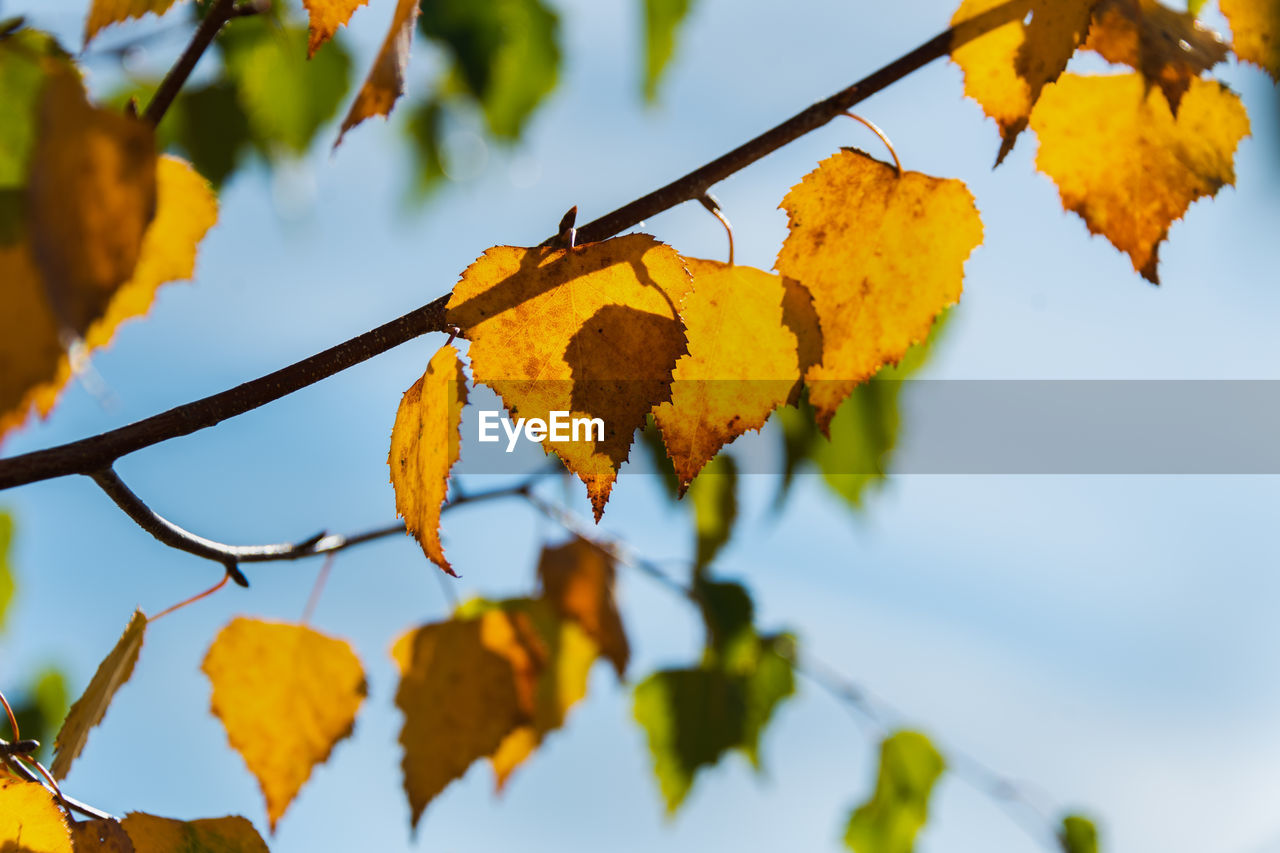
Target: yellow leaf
(1168, 47)
(577, 579)
(91, 192)
(882, 256)
(1126, 165)
(89, 709)
(30, 821)
(594, 331)
(1006, 68)
(151, 834)
(100, 836)
(37, 367)
(741, 365)
(425, 444)
(286, 694)
(106, 12)
(1255, 28)
(325, 17)
(385, 83)
(459, 698)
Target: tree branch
(221, 12)
(99, 452)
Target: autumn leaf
(385, 83)
(578, 580)
(106, 12)
(29, 336)
(30, 821)
(151, 834)
(1170, 48)
(89, 709)
(741, 365)
(286, 694)
(1006, 69)
(891, 819)
(425, 444)
(1078, 835)
(882, 256)
(594, 331)
(325, 17)
(460, 700)
(1255, 28)
(1125, 165)
(100, 836)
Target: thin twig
(218, 14)
(20, 770)
(100, 451)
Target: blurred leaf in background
(891, 819)
(662, 19)
(714, 497)
(6, 569)
(41, 707)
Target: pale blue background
(1112, 639)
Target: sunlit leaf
(325, 16)
(662, 20)
(286, 694)
(89, 709)
(6, 569)
(741, 365)
(30, 820)
(151, 834)
(425, 444)
(578, 580)
(899, 808)
(1255, 27)
(594, 331)
(1126, 165)
(103, 13)
(385, 83)
(882, 256)
(714, 495)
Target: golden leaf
(594, 331)
(385, 83)
(325, 17)
(151, 834)
(1006, 69)
(741, 365)
(1168, 47)
(1126, 165)
(37, 367)
(30, 821)
(882, 255)
(100, 836)
(1255, 30)
(459, 698)
(88, 710)
(425, 445)
(578, 579)
(106, 12)
(286, 694)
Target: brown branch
(99, 452)
(221, 12)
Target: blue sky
(1111, 639)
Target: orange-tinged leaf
(594, 331)
(286, 694)
(1255, 30)
(100, 836)
(91, 192)
(30, 821)
(882, 255)
(37, 366)
(1126, 165)
(578, 579)
(1169, 47)
(1006, 69)
(106, 12)
(385, 83)
(88, 710)
(325, 17)
(741, 365)
(460, 701)
(425, 444)
(151, 834)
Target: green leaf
(286, 97)
(505, 53)
(661, 20)
(6, 570)
(1078, 835)
(1194, 6)
(210, 127)
(714, 497)
(41, 708)
(22, 71)
(890, 820)
(728, 614)
(651, 440)
(424, 128)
